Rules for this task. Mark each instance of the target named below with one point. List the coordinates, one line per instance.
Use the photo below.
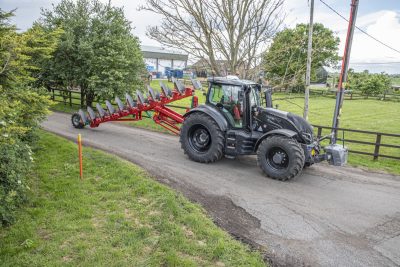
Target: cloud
(382, 24)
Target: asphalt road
(326, 216)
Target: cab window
(229, 98)
(254, 97)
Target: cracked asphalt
(327, 216)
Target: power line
(361, 30)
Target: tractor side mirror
(268, 97)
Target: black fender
(213, 113)
(284, 132)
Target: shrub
(20, 114)
(15, 161)
(369, 84)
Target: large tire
(280, 157)
(201, 138)
(77, 121)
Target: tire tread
(297, 156)
(218, 141)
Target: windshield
(230, 99)
(224, 93)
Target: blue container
(179, 74)
(158, 75)
(167, 71)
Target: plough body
(133, 110)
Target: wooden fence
(349, 95)
(66, 96)
(375, 146)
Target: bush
(20, 114)
(15, 161)
(369, 84)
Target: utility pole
(344, 70)
(309, 53)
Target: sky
(380, 19)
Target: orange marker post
(80, 156)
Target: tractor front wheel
(77, 121)
(201, 138)
(280, 157)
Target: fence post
(319, 132)
(70, 98)
(52, 97)
(377, 146)
(82, 98)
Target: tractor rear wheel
(280, 157)
(201, 138)
(77, 121)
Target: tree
(23, 55)
(215, 30)
(368, 83)
(97, 54)
(285, 61)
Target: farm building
(158, 59)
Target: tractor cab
(235, 99)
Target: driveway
(326, 216)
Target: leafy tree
(285, 61)
(368, 83)
(97, 54)
(8, 44)
(23, 56)
(40, 43)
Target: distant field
(396, 81)
(363, 114)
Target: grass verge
(116, 216)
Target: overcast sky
(379, 18)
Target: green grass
(116, 216)
(364, 114)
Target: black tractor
(233, 122)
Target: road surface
(327, 216)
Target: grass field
(361, 114)
(395, 81)
(116, 216)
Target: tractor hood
(272, 119)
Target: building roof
(162, 53)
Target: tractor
(231, 123)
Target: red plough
(132, 109)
